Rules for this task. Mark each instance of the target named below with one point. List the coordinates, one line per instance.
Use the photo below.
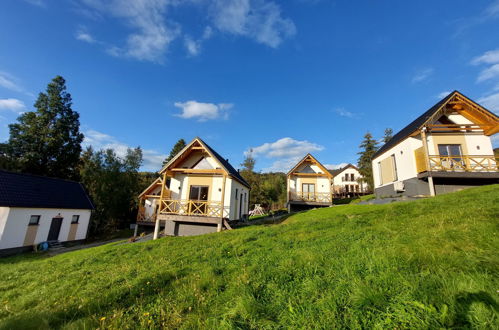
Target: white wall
(339, 183)
(236, 203)
(404, 158)
(15, 228)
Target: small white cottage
(35, 209)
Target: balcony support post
(223, 200)
(428, 164)
(156, 229)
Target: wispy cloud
(203, 111)
(85, 36)
(14, 105)
(154, 28)
(335, 166)
(344, 113)
(491, 102)
(490, 58)
(286, 152)
(152, 160)
(260, 20)
(38, 3)
(493, 9)
(422, 75)
(9, 82)
(194, 46)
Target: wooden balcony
(462, 163)
(192, 208)
(142, 217)
(305, 197)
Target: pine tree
(368, 147)
(48, 141)
(388, 135)
(175, 150)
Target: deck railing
(142, 217)
(192, 208)
(310, 197)
(458, 163)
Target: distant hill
(426, 264)
(496, 152)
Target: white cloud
(203, 111)
(194, 46)
(335, 166)
(82, 35)
(9, 82)
(489, 57)
(491, 102)
(257, 19)
(422, 75)
(151, 36)
(287, 152)
(489, 73)
(153, 28)
(344, 113)
(152, 160)
(12, 105)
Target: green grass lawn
(426, 264)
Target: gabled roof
(26, 190)
(482, 117)
(309, 157)
(341, 169)
(224, 163)
(151, 187)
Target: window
(380, 174)
(394, 168)
(75, 219)
(352, 177)
(34, 220)
(237, 190)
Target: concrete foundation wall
(176, 228)
(419, 187)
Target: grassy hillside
(425, 264)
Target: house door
(451, 156)
(55, 229)
(308, 190)
(198, 195)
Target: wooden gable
(481, 118)
(192, 159)
(303, 168)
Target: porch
(310, 198)
(456, 163)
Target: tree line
(48, 142)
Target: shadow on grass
(464, 300)
(119, 298)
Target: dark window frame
(77, 218)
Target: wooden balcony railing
(310, 197)
(462, 163)
(142, 217)
(192, 207)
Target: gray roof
(26, 190)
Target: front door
(198, 195)
(451, 156)
(55, 229)
(308, 190)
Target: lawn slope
(425, 264)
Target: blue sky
(280, 77)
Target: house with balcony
(446, 149)
(309, 185)
(347, 182)
(198, 192)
